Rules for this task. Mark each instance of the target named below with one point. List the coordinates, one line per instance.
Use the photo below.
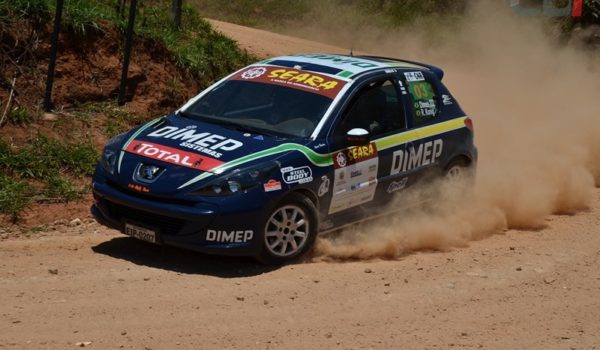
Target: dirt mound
(88, 69)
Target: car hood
(173, 153)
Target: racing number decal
(421, 90)
(355, 177)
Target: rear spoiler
(436, 70)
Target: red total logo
(172, 155)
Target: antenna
(351, 51)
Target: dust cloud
(535, 105)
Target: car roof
(346, 66)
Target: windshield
(264, 107)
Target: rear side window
(423, 98)
(376, 108)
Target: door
(360, 172)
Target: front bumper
(184, 224)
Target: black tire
(289, 230)
(459, 176)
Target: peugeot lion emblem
(147, 172)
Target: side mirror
(357, 137)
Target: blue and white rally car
(262, 161)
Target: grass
(61, 188)
(13, 196)
(35, 172)
(20, 116)
(43, 157)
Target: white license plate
(140, 233)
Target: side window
(376, 108)
(423, 98)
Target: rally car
(262, 161)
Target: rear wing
(439, 73)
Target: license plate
(140, 233)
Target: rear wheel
(289, 231)
(459, 177)
(458, 170)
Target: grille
(167, 225)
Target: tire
(289, 230)
(459, 177)
(456, 169)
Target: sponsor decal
(397, 185)
(297, 79)
(402, 88)
(355, 173)
(204, 142)
(324, 187)
(239, 236)
(361, 163)
(354, 155)
(411, 158)
(254, 72)
(272, 185)
(446, 100)
(300, 175)
(258, 137)
(340, 160)
(414, 76)
(138, 188)
(172, 155)
(320, 145)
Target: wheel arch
(464, 158)
(310, 195)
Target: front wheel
(289, 231)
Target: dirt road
(518, 290)
(86, 285)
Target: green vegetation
(44, 157)
(207, 54)
(20, 116)
(43, 170)
(13, 196)
(61, 188)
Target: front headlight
(111, 152)
(238, 180)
